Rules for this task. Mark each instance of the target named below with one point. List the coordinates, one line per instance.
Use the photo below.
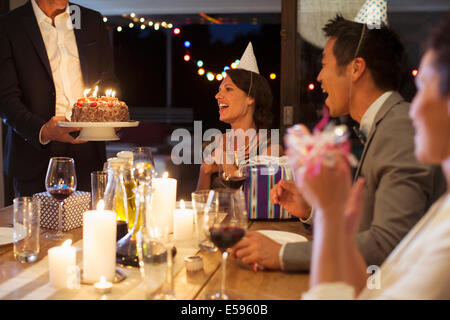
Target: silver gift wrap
(72, 210)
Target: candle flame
(182, 205)
(165, 175)
(108, 92)
(67, 243)
(95, 92)
(113, 94)
(85, 92)
(102, 279)
(100, 205)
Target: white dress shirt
(62, 52)
(418, 268)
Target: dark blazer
(27, 93)
(398, 190)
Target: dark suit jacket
(27, 92)
(398, 190)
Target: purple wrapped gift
(263, 173)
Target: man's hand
(51, 131)
(257, 248)
(286, 194)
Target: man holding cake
(46, 64)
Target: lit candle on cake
(95, 92)
(183, 223)
(99, 244)
(60, 260)
(164, 200)
(85, 92)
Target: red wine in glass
(225, 237)
(61, 193)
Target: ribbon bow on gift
(308, 151)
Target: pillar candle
(60, 261)
(183, 223)
(99, 244)
(164, 199)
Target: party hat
(248, 60)
(373, 13)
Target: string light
(105, 19)
(201, 71)
(311, 86)
(199, 63)
(187, 57)
(187, 44)
(414, 72)
(273, 76)
(176, 31)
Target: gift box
(73, 208)
(263, 172)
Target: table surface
(31, 281)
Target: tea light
(183, 223)
(60, 261)
(164, 197)
(103, 286)
(99, 244)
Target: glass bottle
(115, 192)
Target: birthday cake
(99, 109)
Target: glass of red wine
(225, 227)
(60, 182)
(233, 172)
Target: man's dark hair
(439, 43)
(381, 49)
(260, 91)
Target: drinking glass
(26, 228)
(226, 226)
(233, 172)
(60, 182)
(202, 209)
(99, 181)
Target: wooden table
(241, 281)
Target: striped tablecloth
(33, 282)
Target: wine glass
(143, 156)
(233, 172)
(225, 227)
(60, 182)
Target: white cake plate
(98, 131)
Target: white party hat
(248, 60)
(373, 13)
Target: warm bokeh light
(311, 86)
(131, 25)
(119, 29)
(210, 76)
(187, 57)
(234, 65)
(201, 71)
(176, 31)
(273, 76)
(414, 72)
(142, 26)
(105, 19)
(219, 77)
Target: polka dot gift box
(72, 213)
